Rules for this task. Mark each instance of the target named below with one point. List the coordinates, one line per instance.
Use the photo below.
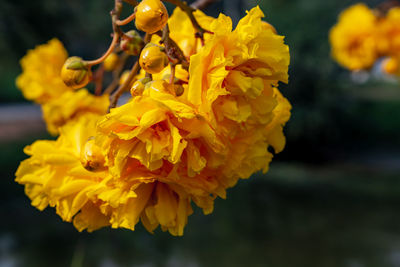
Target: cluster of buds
(151, 17)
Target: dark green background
(330, 199)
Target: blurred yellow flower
(354, 38)
(389, 29)
(40, 80)
(70, 106)
(390, 65)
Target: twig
(173, 51)
(202, 4)
(108, 52)
(123, 87)
(115, 13)
(126, 21)
(98, 78)
(189, 11)
(131, 2)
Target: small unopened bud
(179, 90)
(111, 62)
(75, 73)
(151, 16)
(138, 86)
(132, 43)
(91, 157)
(153, 59)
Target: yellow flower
(150, 158)
(53, 176)
(162, 136)
(232, 80)
(353, 39)
(40, 80)
(70, 106)
(389, 30)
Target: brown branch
(123, 87)
(202, 4)
(189, 11)
(98, 78)
(115, 13)
(173, 51)
(126, 21)
(131, 2)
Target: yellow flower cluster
(148, 160)
(363, 35)
(41, 82)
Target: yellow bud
(268, 26)
(132, 43)
(151, 16)
(139, 86)
(75, 73)
(390, 65)
(111, 62)
(91, 157)
(153, 59)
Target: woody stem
(126, 21)
(189, 11)
(108, 52)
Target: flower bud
(138, 86)
(91, 157)
(151, 16)
(390, 65)
(153, 59)
(111, 62)
(75, 73)
(132, 43)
